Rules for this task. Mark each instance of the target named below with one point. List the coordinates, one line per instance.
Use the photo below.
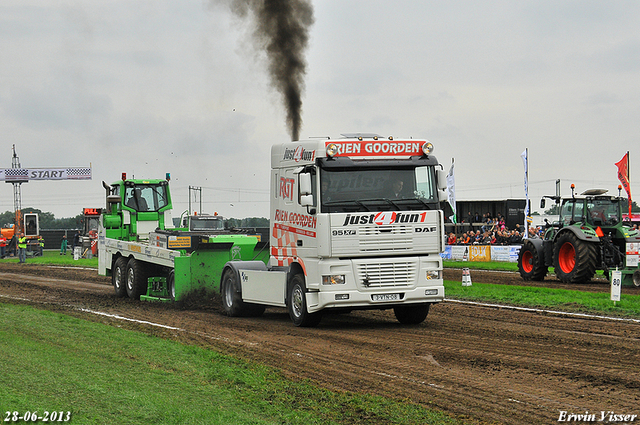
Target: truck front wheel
(232, 298)
(118, 276)
(297, 304)
(411, 314)
(574, 259)
(136, 279)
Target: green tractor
(590, 235)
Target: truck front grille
(387, 274)
(386, 238)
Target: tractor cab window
(602, 212)
(571, 212)
(144, 198)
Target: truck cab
(355, 224)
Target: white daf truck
(355, 223)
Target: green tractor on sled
(590, 235)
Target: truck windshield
(378, 189)
(146, 197)
(200, 223)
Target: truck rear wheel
(136, 279)
(118, 276)
(574, 260)
(530, 265)
(232, 298)
(297, 304)
(412, 314)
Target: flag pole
(629, 180)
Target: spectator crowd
(493, 231)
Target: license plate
(385, 297)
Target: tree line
(48, 221)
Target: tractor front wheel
(530, 265)
(574, 259)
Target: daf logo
(425, 229)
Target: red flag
(623, 176)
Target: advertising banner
(513, 253)
(500, 253)
(479, 253)
(485, 253)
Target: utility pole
(17, 192)
(195, 189)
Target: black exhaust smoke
(282, 31)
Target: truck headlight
(334, 279)
(434, 274)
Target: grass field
(481, 265)
(54, 257)
(546, 298)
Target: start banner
(26, 174)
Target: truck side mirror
(441, 175)
(306, 200)
(542, 203)
(305, 184)
(442, 195)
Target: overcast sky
(150, 87)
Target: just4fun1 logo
(385, 218)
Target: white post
(616, 284)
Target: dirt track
(485, 365)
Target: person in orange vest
(3, 246)
(22, 248)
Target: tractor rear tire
(119, 277)
(137, 277)
(530, 264)
(574, 259)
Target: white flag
(451, 191)
(525, 160)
